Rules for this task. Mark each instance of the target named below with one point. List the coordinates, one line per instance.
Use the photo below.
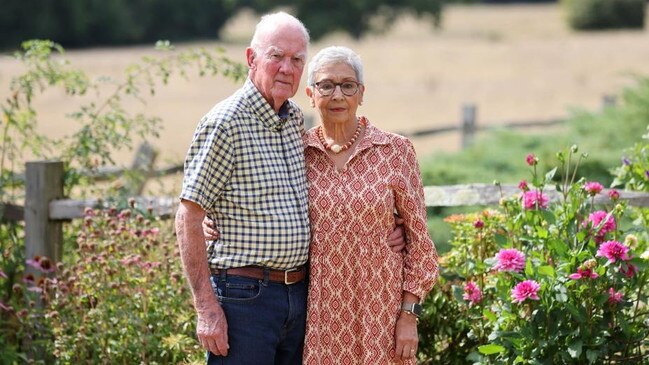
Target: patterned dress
(356, 281)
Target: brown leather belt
(287, 277)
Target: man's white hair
(269, 23)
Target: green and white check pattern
(245, 167)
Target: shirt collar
(265, 112)
(372, 136)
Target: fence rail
(468, 125)
(46, 210)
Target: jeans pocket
(237, 289)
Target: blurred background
(515, 61)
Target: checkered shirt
(245, 168)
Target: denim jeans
(266, 321)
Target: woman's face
(337, 107)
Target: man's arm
(397, 239)
(211, 327)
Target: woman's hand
(209, 230)
(406, 337)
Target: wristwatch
(412, 308)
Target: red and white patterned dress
(356, 281)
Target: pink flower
(629, 270)
(472, 293)
(531, 159)
(2, 274)
(613, 251)
(41, 263)
(614, 194)
(593, 187)
(478, 223)
(535, 200)
(583, 273)
(614, 297)
(510, 260)
(523, 185)
(527, 289)
(5, 307)
(596, 218)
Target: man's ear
(250, 57)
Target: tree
(355, 17)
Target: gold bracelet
(411, 313)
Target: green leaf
(575, 349)
(491, 349)
(550, 175)
(546, 270)
(592, 356)
(529, 270)
(541, 232)
(458, 293)
(491, 316)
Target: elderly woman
(363, 300)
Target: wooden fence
(46, 210)
(468, 126)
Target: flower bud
(590, 264)
(631, 241)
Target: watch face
(417, 309)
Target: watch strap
(412, 308)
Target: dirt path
(516, 62)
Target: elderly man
(245, 170)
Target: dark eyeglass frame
(318, 86)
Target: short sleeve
(209, 164)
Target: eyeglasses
(326, 88)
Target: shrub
(548, 281)
(605, 14)
(102, 303)
(633, 174)
(119, 298)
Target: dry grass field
(516, 62)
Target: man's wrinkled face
(277, 69)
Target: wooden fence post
(608, 101)
(43, 183)
(141, 169)
(468, 124)
(308, 122)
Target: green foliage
(494, 154)
(76, 23)
(79, 23)
(633, 174)
(584, 303)
(117, 297)
(103, 303)
(605, 14)
(357, 17)
(105, 126)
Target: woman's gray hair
(269, 23)
(332, 55)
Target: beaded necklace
(336, 148)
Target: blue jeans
(266, 321)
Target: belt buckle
(286, 281)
